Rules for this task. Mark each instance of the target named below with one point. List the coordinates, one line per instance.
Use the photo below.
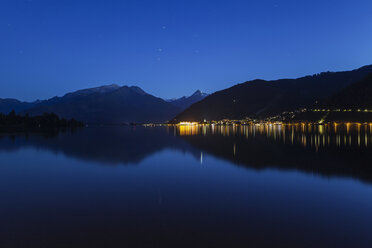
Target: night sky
(171, 48)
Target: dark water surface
(235, 186)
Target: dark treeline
(45, 121)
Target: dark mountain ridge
(260, 98)
(113, 104)
(185, 102)
(356, 96)
(9, 104)
(86, 92)
(108, 105)
(351, 104)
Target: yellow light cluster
(187, 123)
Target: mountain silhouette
(8, 104)
(185, 102)
(108, 105)
(260, 98)
(113, 104)
(351, 104)
(124, 145)
(356, 96)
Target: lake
(188, 186)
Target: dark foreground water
(245, 186)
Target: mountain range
(185, 102)
(109, 104)
(260, 98)
(8, 104)
(113, 104)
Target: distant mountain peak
(99, 89)
(103, 87)
(197, 92)
(109, 104)
(184, 102)
(108, 86)
(138, 90)
(112, 86)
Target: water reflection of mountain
(312, 150)
(316, 149)
(109, 145)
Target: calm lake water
(234, 186)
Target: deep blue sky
(171, 48)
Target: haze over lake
(188, 186)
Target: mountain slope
(86, 92)
(108, 104)
(355, 96)
(262, 98)
(7, 105)
(185, 102)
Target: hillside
(108, 105)
(184, 102)
(355, 96)
(8, 104)
(352, 104)
(260, 98)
